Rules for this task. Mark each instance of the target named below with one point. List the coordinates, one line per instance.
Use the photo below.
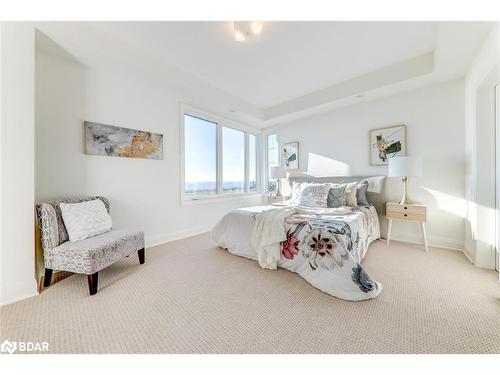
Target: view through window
(200, 156)
(215, 159)
(252, 162)
(272, 160)
(233, 156)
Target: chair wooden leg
(47, 278)
(92, 279)
(141, 254)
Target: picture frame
(386, 143)
(111, 140)
(290, 155)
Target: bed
(324, 246)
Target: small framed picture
(290, 155)
(386, 143)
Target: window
(233, 156)
(219, 158)
(272, 160)
(200, 156)
(252, 162)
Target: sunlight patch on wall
(322, 166)
(449, 203)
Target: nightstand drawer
(406, 216)
(405, 209)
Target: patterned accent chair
(87, 256)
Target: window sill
(185, 201)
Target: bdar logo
(8, 347)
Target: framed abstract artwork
(290, 155)
(109, 140)
(386, 143)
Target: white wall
(435, 129)
(144, 193)
(480, 152)
(17, 279)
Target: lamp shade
(405, 166)
(278, 172)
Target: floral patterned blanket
(324, 249)
(327, 251)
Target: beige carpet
(192, 297)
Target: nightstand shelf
(407, 212)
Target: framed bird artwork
(290, 155)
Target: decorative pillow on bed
(315, 195)
(350, 194)
(336, 196)
(296, 191)
(361, 193)
(85, 219)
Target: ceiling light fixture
(239, 36)
(247, 31)
(256, 27)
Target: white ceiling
(296, 70)
(291, 60)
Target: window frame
(220, 123)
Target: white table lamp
(277, 173)
(405, 166)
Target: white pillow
(297, 191)
(314, 195)
(85, 219)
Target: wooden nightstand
(407, 212)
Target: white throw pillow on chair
(85, 219)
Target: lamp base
(278, 190)
(406, 198)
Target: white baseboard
(487, 265)
(19, 291)
(434, 241)
(467, 255)
(446, 243)
(169, 237)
